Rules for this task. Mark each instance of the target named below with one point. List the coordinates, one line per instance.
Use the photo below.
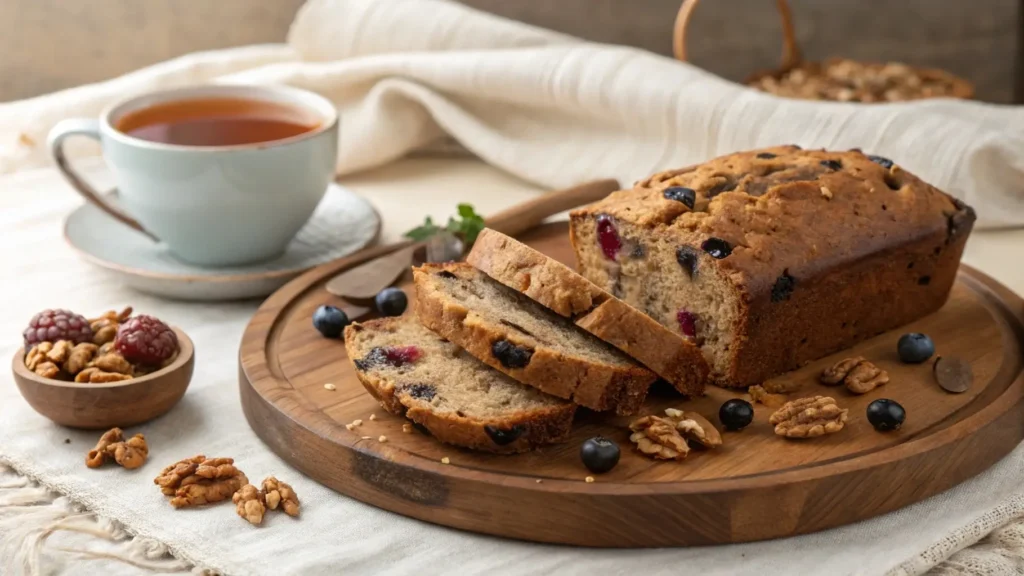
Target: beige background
(53, 44)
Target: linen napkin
(551, 109)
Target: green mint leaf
(423, 231)
(466, 211)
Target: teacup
(223, 175)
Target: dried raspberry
(53, 325)
(608, 236)
(146, 340)
(687, 323)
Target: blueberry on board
(886, 415)
(915, 348)
(391, 301)
(599, 454)
(736, 414)
(681, 194)
(330, 321)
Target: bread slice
(415, 373)
(569, 294)
(514, 334)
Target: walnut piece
(200, 480)
(104, 328)
(112, 362)
(97, 376)
(665, 438)
(809, 417)
(859, 375)
(130, 454)
(80, 357)
(281, 494)
(759, 395)
(60, 352)
(40, 359)
(249, 503)
(781, 386)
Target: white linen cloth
(551, 109)
(544, 107)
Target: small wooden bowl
(96, 406)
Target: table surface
(438, 184)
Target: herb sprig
(467, 226)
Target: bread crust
(595, 385)
(544, 425)
(569, 294)
(828, 248)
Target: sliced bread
(513, 334)
(460, 400)
(569, 294)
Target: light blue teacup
(212, 205)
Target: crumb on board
(446, 460)
(589, 479)
(407, 428)
(330, 386)
(382, 438)
(373, 416)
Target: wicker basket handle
(791, 57)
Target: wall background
(52, 44)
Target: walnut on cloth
(280, 494)
(857, 374)
(200, 480)
(250, 504)
(130, 454)
(666, 438)
(809, 417)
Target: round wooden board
(756, 486)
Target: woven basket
(837, 79)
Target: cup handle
(55, 142)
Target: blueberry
(766, 155)
(783, 287)
(915, 348)
(832, 164)
(502, 437)
(510, 355)
(881, 161)
(736, 414)
(716, 247)
(886, 415)
(421, 391)
(330, 321)
(687, 258)
(599, 454)
(681, 194)
(391, 301)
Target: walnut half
(666, 438)
(857, 374)
(809, 417)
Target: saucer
(342, 224)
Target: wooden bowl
(96, 406)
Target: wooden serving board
(756, 486)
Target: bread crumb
(589, 479)
(539, 480)
(373, 416)
(357, 422)
(349, 426)
(365, 437)
(382, 438)
(67, 440)
(826, 193)
(446, 460)
(330, 386)
(407, 428)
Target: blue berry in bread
(766, 155)
(510, 355)
(502, 437)
(886, 415)
(394, 356)
(881, 161)
(736, 414)
(599, 454)
(391, 301)
(783, 287)
(716, 247)
(330, 321)
(915, 348)
(681, 194)
(421, 391)
(687, 258)
(832, 164)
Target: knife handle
(522, 217)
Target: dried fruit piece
(687, 323)
(809, 417)
(953, 374)
(783, 287)
(717, 248)
(688, 259)
(281, 494)
(608, 236)
(760, 395)
(146, 340)
(249, 503)
(511, 355)
(54, 325)
(859, 375)
(681, 194)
